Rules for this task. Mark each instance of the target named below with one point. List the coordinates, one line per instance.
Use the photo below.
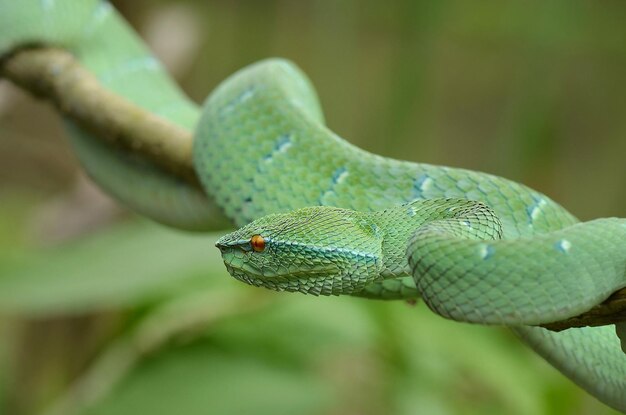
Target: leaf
(197, 379)
(126, 266)
(258, 362)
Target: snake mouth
(314, 283)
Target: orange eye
(258, 243)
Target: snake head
(319, 250)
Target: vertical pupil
(258, 243)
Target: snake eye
(258, 243)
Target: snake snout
(225, 243)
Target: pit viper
(321, 216)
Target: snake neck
(464, 218)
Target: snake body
(104, 43)
(477, 247)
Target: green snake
(323, 217)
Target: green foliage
(197, 380)
(127, 266)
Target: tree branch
(57, 76)
(611, 311)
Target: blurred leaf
(128, 265)
(272, 361)
(197, 379)
(452, 368)
(321, 355)
(6, 342)
(15, 208)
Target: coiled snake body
(476, 247)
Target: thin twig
(55, 75)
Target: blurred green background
(102, 312)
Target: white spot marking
(243, 97)
(147, 63)
(536, 209)
(284, 147)
(564, 245)
(100, 13)
(426, 184)
(47, 4)
(341, 177)
(246, 95)
(297, 103)
(486, 251)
